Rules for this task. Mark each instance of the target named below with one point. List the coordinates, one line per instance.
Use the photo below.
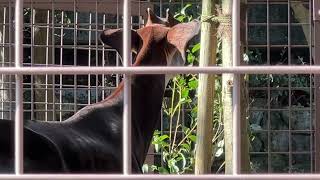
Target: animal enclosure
(282, 108)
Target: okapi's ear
(154, 19)
(180, 34)
(113, 38)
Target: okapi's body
(90, 140)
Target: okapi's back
(38, 151)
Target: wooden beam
(206, 91)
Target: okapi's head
(162, 42)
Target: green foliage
(178, 152)
(177, 146)
(188, 13)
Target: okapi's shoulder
(83, 147)
(38, 150)
(86, 141)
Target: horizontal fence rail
(149, 177)
(162, 70)
(129, 70)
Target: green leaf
(184, 161)
(145, 168)
(156, 132)
(163, 170)
(180, 18)
(194, 110)
(154, 168)
(182, 81)
(193, 84)
(185, 129)
(191, 58)
(163, 137)
(182, 100)
(185, 146)
(164, 156)
(183, 10)
(173, 166)
(185, 93)
(193, 138)
(195, 48)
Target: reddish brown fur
(90, 140)
(155, 30)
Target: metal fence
(285, 38)
(54, 90)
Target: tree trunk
(227, 82)
(227, 79)
(206, 92)
(42, 55)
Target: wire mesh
(65, 34)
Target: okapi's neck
(147, 96)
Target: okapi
(90, 140)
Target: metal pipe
(236, 122)
(18, 126)
(162, 70)
(167, 177)
(3, 77)
(126, 142)
(316, 57)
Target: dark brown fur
(90, 140)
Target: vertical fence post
(127, 88)
(18, 128)
(316, 56)
(236, 87)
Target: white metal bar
(312, 91)
(2, 85)
(53, 61)
(236, 122)
(103, 57)
(75, 53)
(18, 127)
(89, 57)
(10, 59)
(61, 64)
(289, 88)
(47, 63)
(167, 177)
(33, 86)
(97, 52)
(162, 70)
(126, 142)
(268, 92)
(315, 55)
(118, 58)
